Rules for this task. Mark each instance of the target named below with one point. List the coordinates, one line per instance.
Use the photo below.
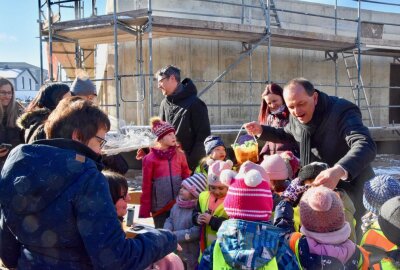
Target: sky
(19, 40)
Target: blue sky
(19, 34)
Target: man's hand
(253, 128)
(4, 152)
(329, 178)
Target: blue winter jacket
(57, 213)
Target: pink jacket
(161, 181)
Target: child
(389, 221)
(215, 150)
(281, 168)
(180, 220)
(307, 175)
(119, 192)
(247, 240)
(209, 212)
(323, 242)
(377, 191)
(163, 170)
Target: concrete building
(206, 38)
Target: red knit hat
(321, 210)
(249, 196)
(160, 128)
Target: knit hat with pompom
(321, 210)
(160, 128)
(249, 194)
(214, 170)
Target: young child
(307, 175)
(119, 192)
(389, 221)
(377, 191)
(163, 170)
(209, 212)
(248, 240)
(180, 219)
(215, 150)
(323, 239)
(281, 169)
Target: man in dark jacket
(328, 129)
(185, 111)
(56, 207)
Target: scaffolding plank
(101, 32)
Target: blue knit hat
(211, 142)
(378, 190)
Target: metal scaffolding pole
(40, 42)
(358, 41)
(116, 70)
(49, 19)
(150, 30)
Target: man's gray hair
(169, 70)
(307, 85)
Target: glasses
(101, 140)
(3, 94)
(166, 77)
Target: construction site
(230, 49)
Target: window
(30, 84)
(23, 82)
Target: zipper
(170, 179)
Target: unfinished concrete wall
(205, 59)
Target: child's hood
(246, 244)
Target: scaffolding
(76, 40)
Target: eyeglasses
(166, 77)
(101, 140)
(6, 93)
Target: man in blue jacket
(329, 129)
(56, 208)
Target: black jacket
(189, 115)
(341, 139)
(32, 125)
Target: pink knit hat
(321, 210)
(280, 166)
(249, 195)
(214, 170)
(160, 128)
(248, 165)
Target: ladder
(273, 15)
(351, 64)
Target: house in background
(25, 77)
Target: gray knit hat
(378, 190)
(389, 220)
(83, 86)
(195, 184)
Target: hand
(294, 191)
(179, 248)
(4, 152)
(329, 178)
(204, 218)
(253, 128)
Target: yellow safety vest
(219, 261)
(375, 237)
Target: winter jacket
(341, 139)
(270, 148)
(180, 223)
(245, 244)
(57, 213)
(161, 182)
(347, 254)
(189, 115)
(32, 124)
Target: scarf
(185, 204)
(165, 154)
(308, 130)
